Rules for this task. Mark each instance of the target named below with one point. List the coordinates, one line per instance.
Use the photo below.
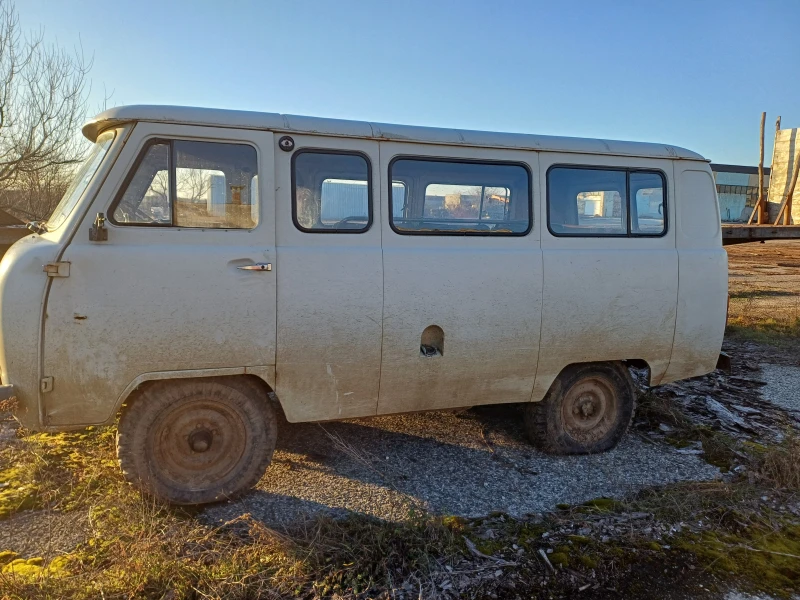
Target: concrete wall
(786, 146)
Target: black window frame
(173, 186)
(132, 173)
(478, 161)
(339, 151)
(628, 170)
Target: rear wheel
(196, 441)
(587, 409)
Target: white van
(205, 258)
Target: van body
(355, 268)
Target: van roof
(241, 119)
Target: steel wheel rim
(197, 444)
(589, 409)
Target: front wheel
(196, 441)
(587, 410)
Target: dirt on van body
(701, 497)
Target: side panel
(703, 289)
(330, 303)
(158, 299)
(22, 286)
(483, 292)
(607, 298)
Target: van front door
(185, 283)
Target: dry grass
(765, 291)
(778, 466)
(139, 548)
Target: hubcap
(589, 409)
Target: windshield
(81, 181)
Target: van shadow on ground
(467, 463)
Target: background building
(737, 188)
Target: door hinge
(57, 269)
(46, 384)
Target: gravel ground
(469, 463)
(782, 387)
(43, 533)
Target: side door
(330, 284)
(610, 265)
(462, 277)
(181, 287)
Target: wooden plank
(740, 233)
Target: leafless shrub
(43, 92)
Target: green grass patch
(767, 557)
(766, 330)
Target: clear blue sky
(696, 73)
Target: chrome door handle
(257, 267)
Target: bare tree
(36, 193)
(43, 91)
(193, 184)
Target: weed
(779, 465)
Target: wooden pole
(761, 169)
(777, 124)
(758, 208)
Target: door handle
(257, 267)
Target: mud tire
(196, 441)
(587, 410)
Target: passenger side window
(441, 197)
(191, 184)
(647, 208)
(586, 201)
(332, 192)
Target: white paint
(241, 119)
(346, 311)
(703, 285)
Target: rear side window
(332, 192)
(447, 197)
(585, 201)
(179, 183)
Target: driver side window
(332, 192)
(181, 183)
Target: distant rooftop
(7, 219)
(737, 169)
(215, 117)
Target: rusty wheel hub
(197, 443)
(589, 409)
(200, 440)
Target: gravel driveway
(468, 463)
(783, 383)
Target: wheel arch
(254, 378)
(542, 388)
